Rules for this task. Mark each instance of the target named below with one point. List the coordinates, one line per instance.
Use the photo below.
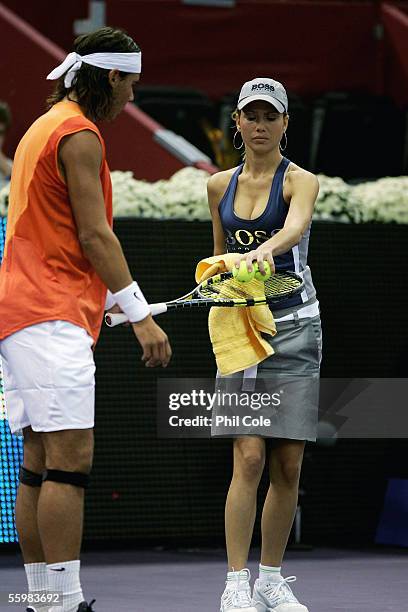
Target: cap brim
(272, 101)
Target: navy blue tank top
(244, 235)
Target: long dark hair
(91, 84)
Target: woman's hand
(259, 255)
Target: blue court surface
(328, 580)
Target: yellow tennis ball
(242, 273)
(263, 277)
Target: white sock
(37, 580)
(63, 578)
(272, 574)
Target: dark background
(173, 491)
(345, 67)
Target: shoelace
(273, 589)
(241, 593)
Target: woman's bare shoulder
(295, 171)
(218, 182)
(297, 178)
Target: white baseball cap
(264, 89)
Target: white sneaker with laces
(270, 596)
(237, 594)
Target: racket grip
(117, 318)
(158, 308)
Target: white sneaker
(276, 597)
(237, 594)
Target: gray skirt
(280, 399)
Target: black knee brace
(77, 479)
(31, 479)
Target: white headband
(125, 62)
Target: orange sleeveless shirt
(45, 276)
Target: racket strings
(281, 283)
(232, 289)
(278, 284)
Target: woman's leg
(240, 509)
(271, 590)
(281, 501)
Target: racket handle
(117, 318)
(158, 308)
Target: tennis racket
(224, 290)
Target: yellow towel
(236, 332)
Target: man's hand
(154, 342)
(115, 309)
(152, 339)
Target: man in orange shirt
(60, 257)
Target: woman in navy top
(262, 211)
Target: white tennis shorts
(49, 377)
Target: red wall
(26, 59)
(50, 17)
(396, 60)
(312, 46)
(130, 144)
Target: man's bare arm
(81, 157)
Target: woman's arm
(215, 188)
(303, 188)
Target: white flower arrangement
(184, 197)
(335, 201)
(383, 201)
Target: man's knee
(78, 462)
(69, 451)
(76, 479)
(34, 453)
(29, 478)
